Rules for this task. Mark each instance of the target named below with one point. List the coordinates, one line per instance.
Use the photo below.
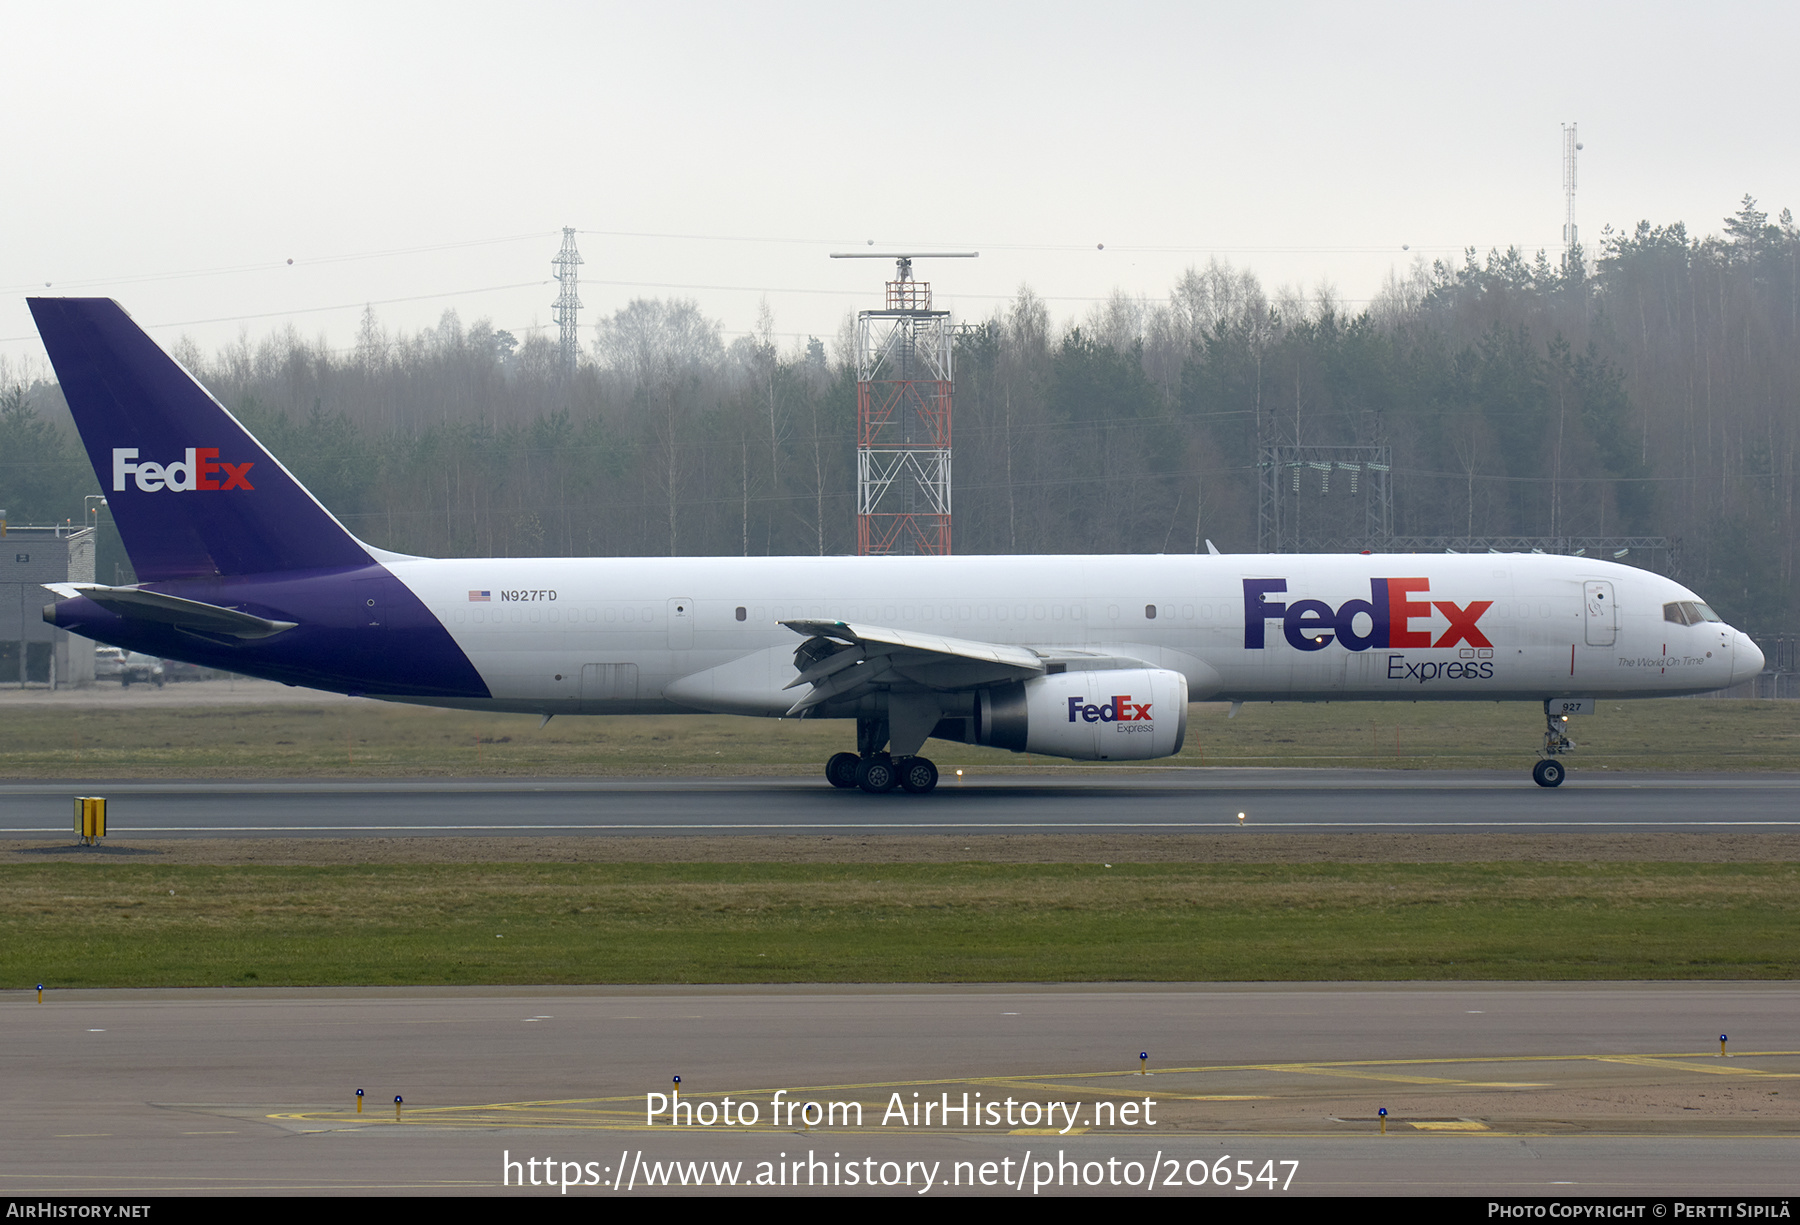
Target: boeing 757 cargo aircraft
(1093, 658)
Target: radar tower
(903, 395)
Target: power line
(1369, 249)
(313, 310)
(269, 266)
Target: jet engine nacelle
(1122, 714)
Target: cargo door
(605, 683)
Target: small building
(33, 652)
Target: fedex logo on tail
(202, 469)
(1394, 604)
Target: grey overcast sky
(422, 157)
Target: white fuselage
(562, 635)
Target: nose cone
(1746, 658)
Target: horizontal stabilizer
(136, 604)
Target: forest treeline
(1653, 389)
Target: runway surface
(1491, 1089)
(1164, 801)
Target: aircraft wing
(839, 660)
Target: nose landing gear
(1550, 772)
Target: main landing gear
(1550, 772)
(876, 771)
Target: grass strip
(133, 925)
(384, 740)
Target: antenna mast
(1571, 147)
(567, 304)
(903, 396)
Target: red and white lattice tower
(904, 387)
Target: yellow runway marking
(1327, 1069)
(1716, 1069)
(625, 1112)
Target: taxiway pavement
(1491, 1089)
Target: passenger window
(1150, 612)
(742, 612)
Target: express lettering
(1310, 625)
(1120, 710)
(1399, 668)
(202, 469)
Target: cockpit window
(1688, 612)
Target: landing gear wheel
(918, 775)
(1548, 773)
(876, 774)
(841, 770)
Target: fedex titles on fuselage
(201, 469)
(1394, 604)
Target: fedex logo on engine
(1394, 604)
(202, 469)
(1120, 710)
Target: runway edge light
(1383, 1113)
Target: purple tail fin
(193, 493)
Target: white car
(128, 666)
(109, 662)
